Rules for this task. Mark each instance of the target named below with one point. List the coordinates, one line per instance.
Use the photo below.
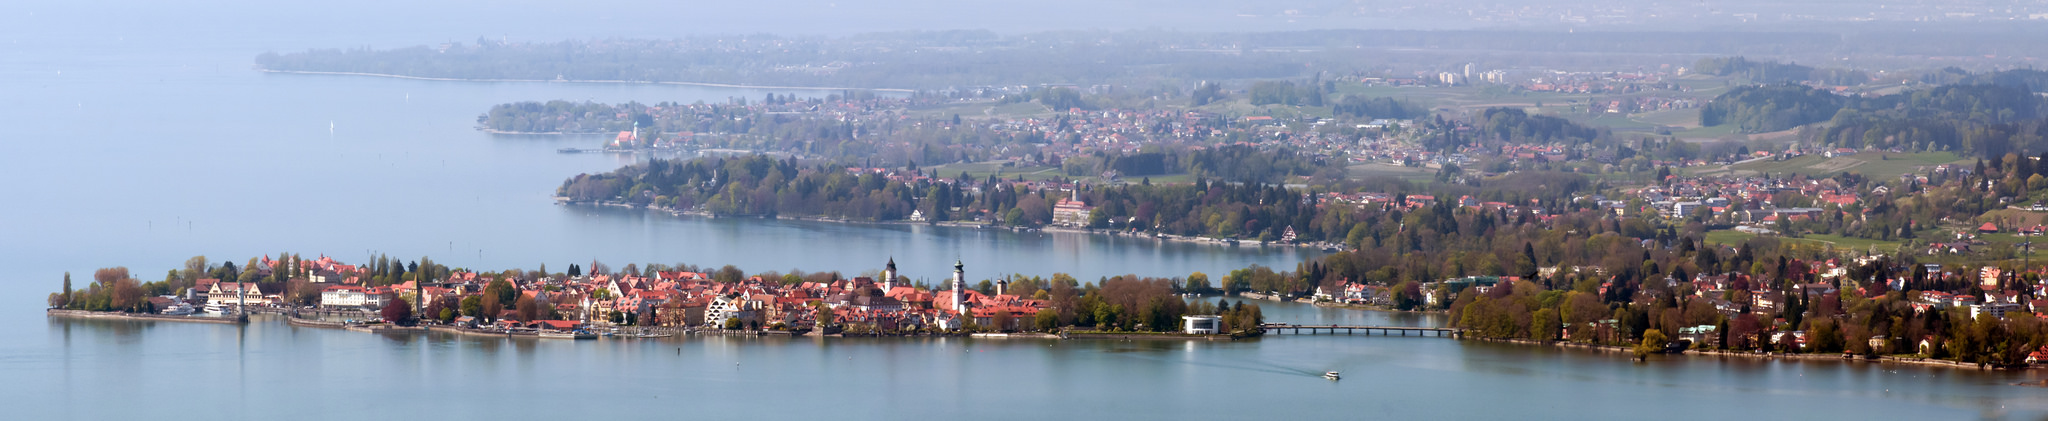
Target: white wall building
(233, 293)
(343, 296)
(1201, 325)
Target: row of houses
(679, 298)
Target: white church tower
(960, 289)
(889, 276)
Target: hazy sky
(287, 26)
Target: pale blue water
(136, 135)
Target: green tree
(67, 291)
(825, 315)
(503, 291)
(195, 268)
(473, 306)
(1047, 320)
(1544, 325)
(1197, 283)
(1653, 342)
(1826, 336)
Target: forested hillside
(1757, 109)
(1771, 72)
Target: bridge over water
(1285, 328)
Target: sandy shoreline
(704, 84)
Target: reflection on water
(727, 376)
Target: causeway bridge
(1280, 328)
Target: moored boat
(554, 334)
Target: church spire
(960, 289)
(889, 275)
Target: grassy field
(1621, 123)
(1698, 134)
(1678, 118)
(984, 110)
(1410, 174)
(985, 169)
(1733, 238)
(1728, 237)
(1875, 165)
(2009, 219)
(1846, 243)
(1417, 93)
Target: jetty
(83, 314)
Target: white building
(730, 306)
(1449, 78)
(1682, 209)
(233, 293)
(1995, 310)
(343, 296)
(1201, 325)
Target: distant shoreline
(957, 224)
(520, 133)
(1923, 362)
(704, 84)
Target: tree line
(1986, 120)
(1771, 72)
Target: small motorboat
(1332, 375)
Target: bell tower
(960, 288)
(889, 276)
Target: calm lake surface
(137, 135)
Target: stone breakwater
(82, 314)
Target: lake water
(137, 135)
(269, 370)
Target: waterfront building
(239, 293)
(734, 306)
(343, 296)
(1201, 325)
(1071, 212)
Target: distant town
(677, 299)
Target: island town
(1749, 314)
(662, 301)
